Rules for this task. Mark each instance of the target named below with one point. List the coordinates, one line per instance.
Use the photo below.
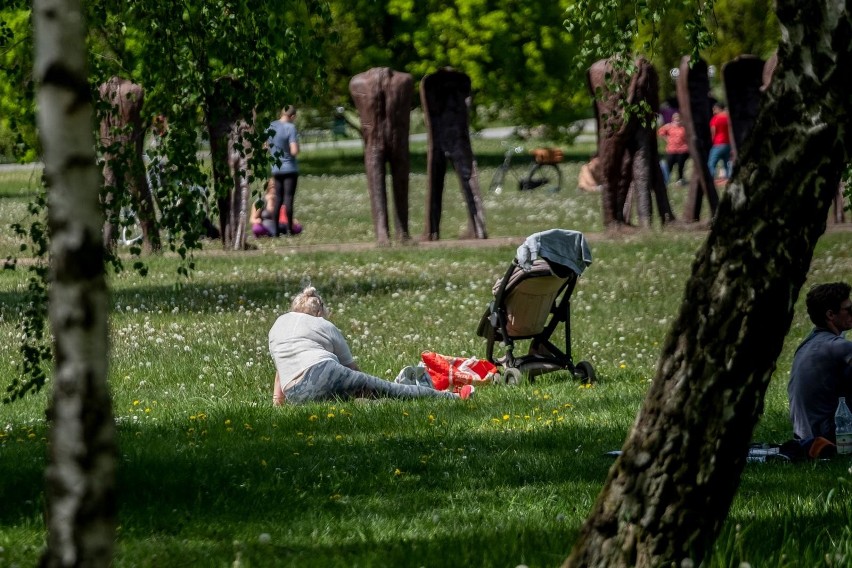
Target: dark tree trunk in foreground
(669, 493)
(81, 471)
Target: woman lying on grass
(313, 360)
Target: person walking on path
(822, 365)
(720, 135)
(677, 150)
(283, 145)
(313, 361)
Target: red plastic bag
(452, 373)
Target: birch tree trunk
(80, 476)
(669, 493)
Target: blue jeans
(720, 152)
(330, 380)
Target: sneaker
(466, 392)
(407, 376)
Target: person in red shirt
(677, 150)
(720, 134)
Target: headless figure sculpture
(445, 96)
(743, 77)
(692, 86)
(627, 150)
(122, 131)
(383, 99)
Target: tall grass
(210, 474)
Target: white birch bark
(81, 472)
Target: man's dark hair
(824, 297)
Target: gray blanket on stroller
(562, 246)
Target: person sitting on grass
(313, 361)
(822, 365)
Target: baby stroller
(531, 300)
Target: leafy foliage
(517, 54)
(33, 347)
(18, 140)
(266, 50)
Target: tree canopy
(518, 55)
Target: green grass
(208, 468)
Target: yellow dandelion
(313, 417)
(506, 417)
(330, 415)
(136, 403)
(338, 437)
(397, 472)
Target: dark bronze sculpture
(230, 127)
(122, 135)
(693, 88)
(383, 99)
(445, 96)
(743, 78)
(627, 149)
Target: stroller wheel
(585, 372)
(512, 376)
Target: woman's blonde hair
(308, 301)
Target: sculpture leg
(611, 156)
(436, 169)
(641, 181)
(399, 166)
(622, 188)
(374, 163)
(465, 167)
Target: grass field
(210, 474)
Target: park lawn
(210, 474)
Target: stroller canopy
(560, 246)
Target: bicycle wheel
(497, 179)
(130, 232)
(544, 176)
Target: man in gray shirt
(822, 365)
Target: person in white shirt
(313, 361)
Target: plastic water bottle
(843, 427)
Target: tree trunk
(230, 127)
(669, 493)
(81, 503)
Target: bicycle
(542, 173)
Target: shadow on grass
(350, 161)
(195, 297)
(407, 497)
(356, 490)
